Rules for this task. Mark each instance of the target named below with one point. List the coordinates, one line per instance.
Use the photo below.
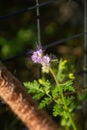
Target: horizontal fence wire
(26, 9)
(64, 40)
(29, 52)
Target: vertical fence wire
(85, 47)
(85, 66)
(85, 42)
(38, 31)
(38, 24)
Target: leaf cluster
(57, 95)
(40, 90)
(47, 94)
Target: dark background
(18, 34)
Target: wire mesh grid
(29, 52)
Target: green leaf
(69, 100)
(38, 96)
(57, 110)
(55, 92)
(33, 87)
(67, 86)
(45, 85)
(45, 102)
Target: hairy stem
(63, 99)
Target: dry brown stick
(13, 93)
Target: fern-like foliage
(35, 89)
(57, 95)
(58, 110)
(46, 101)
(45, 85)
(68, 86)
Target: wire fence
(29, 52)
(26, 9)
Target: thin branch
(14, 94)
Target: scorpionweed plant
(56, 90)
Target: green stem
(63, 99)
(72, 122)
(51, 71)
(67, 128)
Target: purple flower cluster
(44, 60)
(37, 56)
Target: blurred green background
(60, 19)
